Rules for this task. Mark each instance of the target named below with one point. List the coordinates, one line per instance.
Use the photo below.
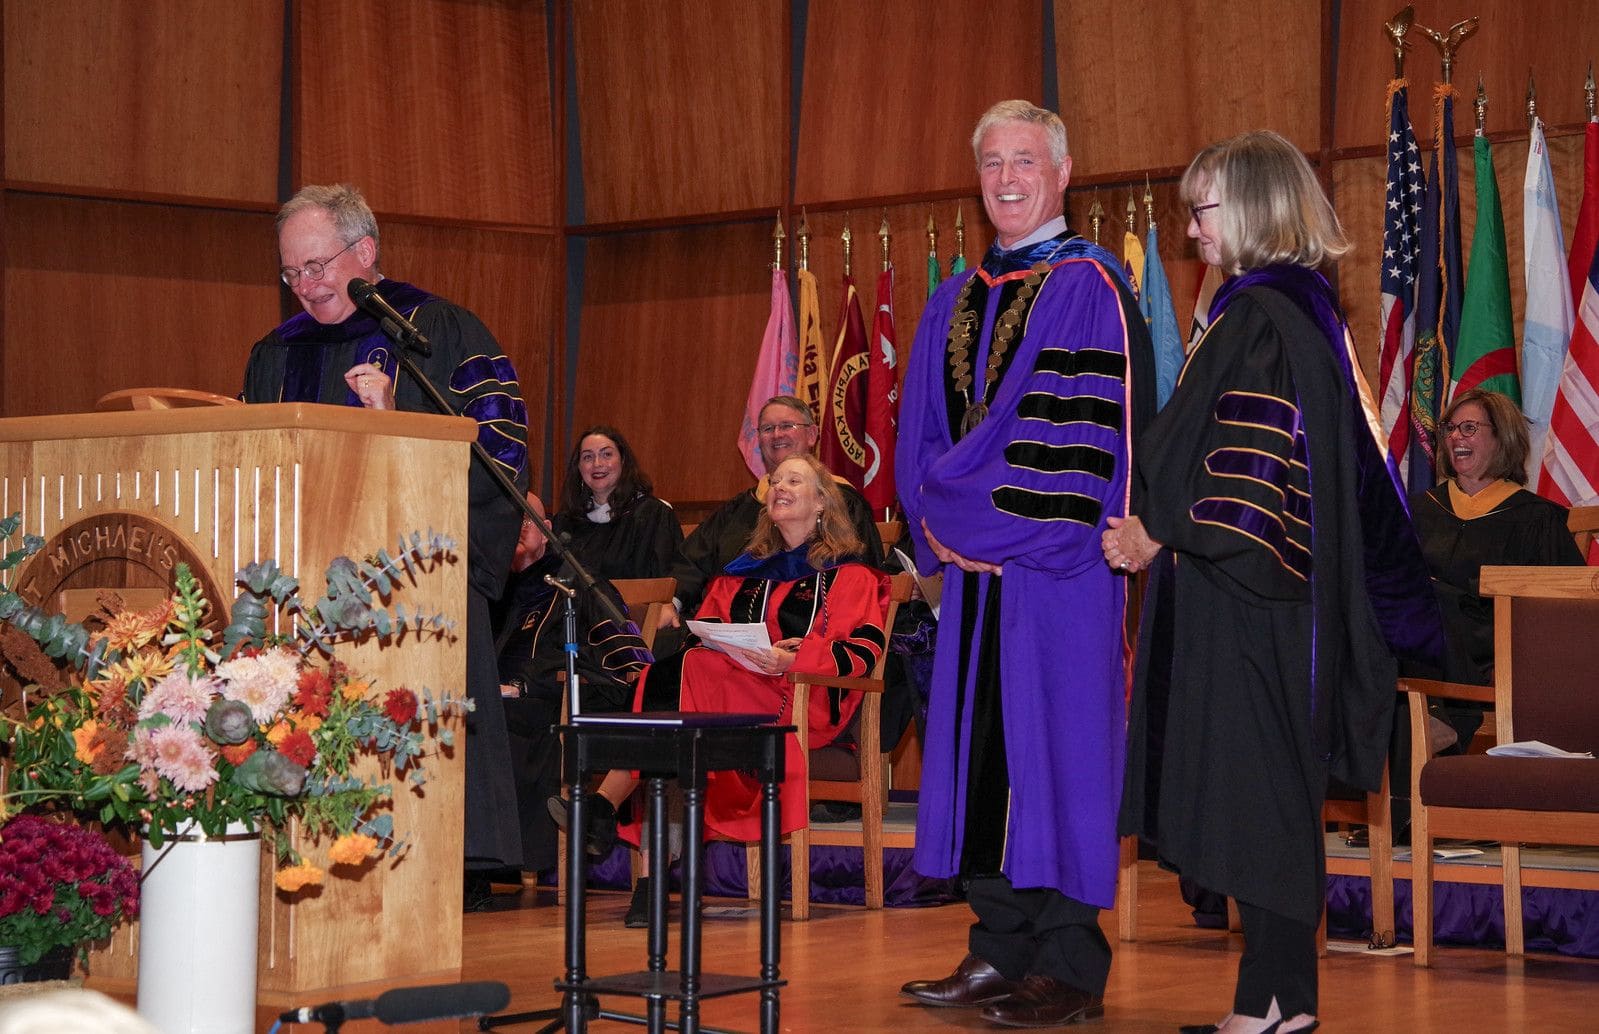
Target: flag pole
(1396, 30)
(1449, 41)
(845, 237)
(1587, 92)
(882, 237)
(1481, 105)
(777, 242)
(804, 235)
(960, 235)
(1532, 100)
(1149, 201)
(1096, 215)
(1132, 214)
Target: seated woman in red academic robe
(823, 610)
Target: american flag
(1570, 472)
(1401, 247)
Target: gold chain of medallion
(963, 330)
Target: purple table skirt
(1472, 914)
(837, 877)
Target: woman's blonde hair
(1272, 206)
(832, 539)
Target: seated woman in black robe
(617, 526)
(1481, 515)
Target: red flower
(314, 693)
(237, 753)
(400, 705)
(298, 748)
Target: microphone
(442, 1002)
(410, 1005)
(366, 296)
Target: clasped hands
(946, 555)
(1127, 545)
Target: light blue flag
(1154, 301)
(1548, 321)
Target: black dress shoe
(638, 910)
(973, 983)
(601, 821)
(1043, 1001)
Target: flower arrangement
(64, 885)
(139, 717)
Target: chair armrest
(1449, 690)
(863, 684)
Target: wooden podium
(120, 498)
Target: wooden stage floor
(845, 967)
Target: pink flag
(775, 370)
(882, 400)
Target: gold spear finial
(1096, 215)
(932, 234)
(1587, 91)
(1149, 201)
(1449, 41)
(882, 237)
(1481, 104)
(960, 229)
(848, 242)
(1396, 30)
(777, 242)
(1132, 215)
(1532, 100)
(804, 236)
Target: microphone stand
(580, 574)
(589, 1006)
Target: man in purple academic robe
(1026, 384)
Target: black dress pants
(1279, 961)
(1038, 930)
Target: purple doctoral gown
(1029, 488)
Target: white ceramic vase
(198, 915)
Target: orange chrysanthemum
(306, 722)
(294, 877)
(132, 630)
(280, 729)
(351, 849)
(237, 753)
(83, 738)
(355, 689)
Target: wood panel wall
(145, 150)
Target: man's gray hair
(1022, 111)
(352, 216)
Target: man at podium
(335, 353)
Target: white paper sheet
(719, 635)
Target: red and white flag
(882, 400)
(1570, 470)
(776, 370)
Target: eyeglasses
(1198, 210)
(786, 427)
(1466, 428)
(315, 269)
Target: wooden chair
(644, 598)
(1583, 523)
(1545, 654)
(1374, 810)
(869, 788)
(889, 533)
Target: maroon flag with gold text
(843, 446)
